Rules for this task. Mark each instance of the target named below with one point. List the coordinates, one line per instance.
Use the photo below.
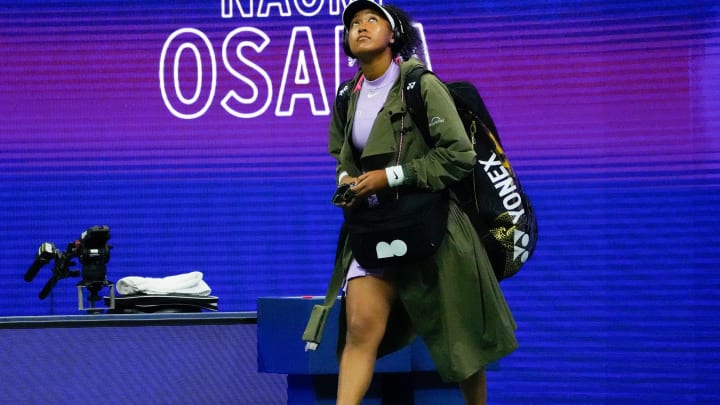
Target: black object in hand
(343, 194)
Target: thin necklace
(380, 83)
(373, 90)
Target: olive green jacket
(452, 300)
(428, 169)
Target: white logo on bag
(505, 185)
(521, 248)
(385, 250)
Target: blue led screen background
(197, 131)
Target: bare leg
(474, 389)
(368, 305)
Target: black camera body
(93, 252)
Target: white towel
(187, 283)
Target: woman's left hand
(370, 183)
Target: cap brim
(358, 5)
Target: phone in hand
(343, 194)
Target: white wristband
(340, 177)
(395, 175)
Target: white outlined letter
(257, 41)
(306, 84)
(198, 55)
(282, 5)
(226, 8)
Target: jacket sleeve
(337, 138)
(452, 156)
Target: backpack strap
(464, 94)
(342, 99)
(415, 103)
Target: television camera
(92, 251)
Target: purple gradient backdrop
(609, 112)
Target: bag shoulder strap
(312, 335)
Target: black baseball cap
(358, 5)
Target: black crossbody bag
(407, 229)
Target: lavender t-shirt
(371, 99)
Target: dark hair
(408, 41)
